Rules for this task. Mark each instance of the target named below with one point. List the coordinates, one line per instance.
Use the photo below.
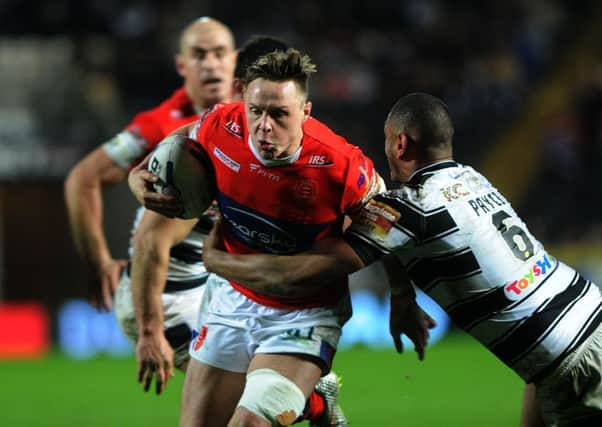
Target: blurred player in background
(168, 256)
(463, 244)
(206, 62)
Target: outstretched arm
(83, 197)
(281, 275)
(155, 236)
(406, 316)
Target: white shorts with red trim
(233, 328)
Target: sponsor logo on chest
(222, 157)
(319, 161)
(519, 288)
(264, 172)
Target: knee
(270, 396)
(244, 418)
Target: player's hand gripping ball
(184, 171)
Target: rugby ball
(184, 171)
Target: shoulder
(320, 139)
(229, 117)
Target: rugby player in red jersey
(206, 62)
(284, 180)
(166, 277)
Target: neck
(199, 103)
(408, 168)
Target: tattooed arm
(297, 275)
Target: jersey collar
(424, 173)
(274, 162)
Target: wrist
(151, 328)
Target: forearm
(83, 197)
(297, 275)
(148, 274)
(84, 207)
(399, 281)
(152, 242)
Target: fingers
(160, 380)
(148, 375)
(163, 376)
(420, 351)
(141, 370)
(397, 341)
(165, 205)
(139, 180)
(107, 296)
(147, 176)
(430, 322)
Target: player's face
(207, 64)
(275, 115)
(391, 151)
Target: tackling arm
(83, 197)
(406, 316)
(153, 240)
(281, 275)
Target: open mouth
(267, 146)
(212, 81)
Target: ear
(401, 145)
(237, 89)
(306, 110)
(179, 61)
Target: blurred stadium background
(522, 78)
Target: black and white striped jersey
(186, 269)
(463, 244)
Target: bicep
(97, 167)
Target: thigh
(209, 396)
(310, 333)
(530, 415)
(221, 338)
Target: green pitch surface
(459, 384)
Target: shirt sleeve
(148, 128)
(200, 127)
(138, 139)
(361, 184)
(126, 149)
(377, 228)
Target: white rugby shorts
(233, 328)
(180, 311)
(572, 394)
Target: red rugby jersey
(283, 209)
(154, 125)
